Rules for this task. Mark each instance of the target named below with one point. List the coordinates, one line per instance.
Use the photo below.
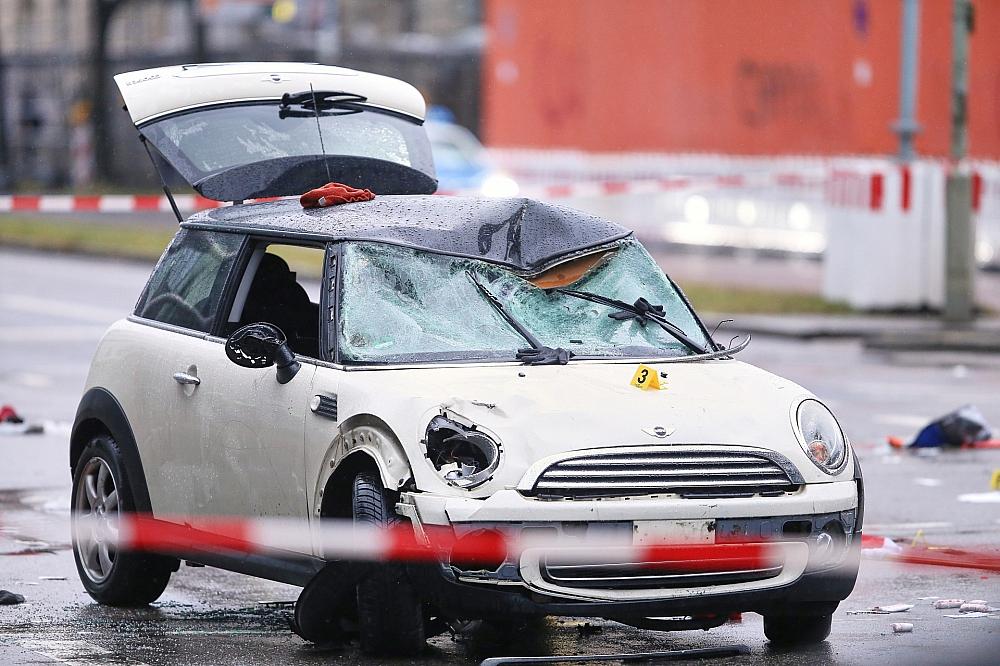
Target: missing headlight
(463, 455)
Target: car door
(166, 341)
(243, 427)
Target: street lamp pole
(102, 11)
(906, 127)
(6, 180)
(959, 303)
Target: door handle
(186, 379)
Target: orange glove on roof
(332, 194)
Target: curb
(976, 341)
(875, 332)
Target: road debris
(981, 498)
(52, 578)
(902, 627)
(966, 427)
(973, 607)
(948, 603)
(877, 547)
(588, 629)
(883, 610)
(8, 415)
(965, 615)
(10, 598)
(11, 423)
(276, 604)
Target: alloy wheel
(96, 511)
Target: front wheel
(797, 629)
(390, 614)
(101, 493)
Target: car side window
(281, 286)
(187, 284)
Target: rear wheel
(793, 628)
(101, 493)
(390, 614)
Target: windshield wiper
(537, 353)
(642, 311)
(320, 103)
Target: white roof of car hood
(150, 93)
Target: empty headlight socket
(451, 439)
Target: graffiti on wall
(767, 92)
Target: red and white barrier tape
(840, 188)
(345, 540)
(883, 548)
(140, 203)
(340, 539)
(103, 203)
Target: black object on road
(963, 427)
(325, 601)
(10, 598)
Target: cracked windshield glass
(400, 305)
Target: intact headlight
(464, 456)
(821, 436)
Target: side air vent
(324, 405)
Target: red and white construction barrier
(867, 188)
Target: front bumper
(524, 587)
(821, 591)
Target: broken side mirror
(261, 346)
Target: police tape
(342, 539)
(884, 548)
(103, 203)
(838, 187)
(154, 203)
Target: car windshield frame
(669, 349)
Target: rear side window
(187, 283)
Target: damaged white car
(467, 364)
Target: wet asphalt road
(53, 309)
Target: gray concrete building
(47, 67)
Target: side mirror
(261, 346)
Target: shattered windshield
(403, 305)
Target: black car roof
(523, 234)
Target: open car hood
(252, 130)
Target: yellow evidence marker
(995, 481)
(647, 378)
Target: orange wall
(733, 76)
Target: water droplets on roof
(521, 233)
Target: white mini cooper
(453, 363)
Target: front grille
(645, 576)
(688, 471)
